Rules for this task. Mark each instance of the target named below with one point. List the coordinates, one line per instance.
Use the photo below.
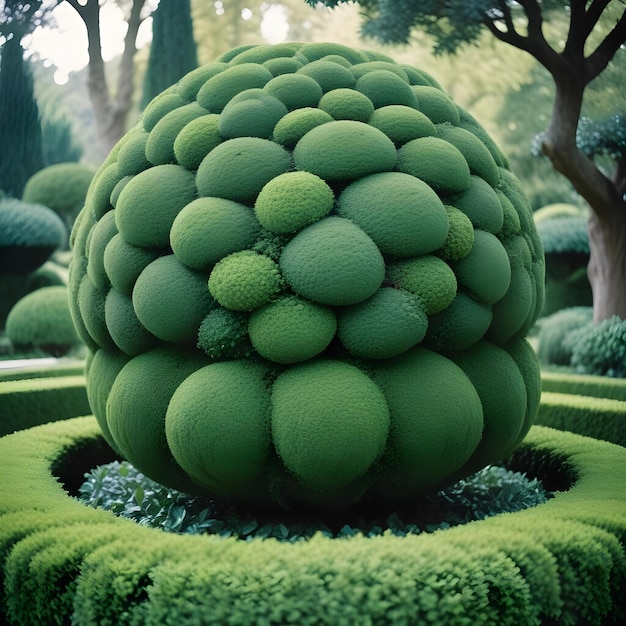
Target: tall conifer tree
(21, 154)
(173, 52)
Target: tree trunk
(607, 224)
(110, 112)
(607, 263)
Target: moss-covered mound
(562, 562)
(305, 277)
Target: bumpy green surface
(306, 277)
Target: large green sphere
(305, 278)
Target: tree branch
(535, 19)
(535, 43)
(597, 61)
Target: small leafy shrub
(305, 278)
(600, 349)
(42, 319)
(557, 334)
(120, 488)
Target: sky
(65, 45)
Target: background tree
(221, 25)
(594, 33)
(173, 50)
(21, 154)
(110, 107)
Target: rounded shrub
(29, 234)
(558, 332)
(61, 187)
(42, 319)
(300, 293)
(600, 349)
(563, 232)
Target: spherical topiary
(29, 234)
(42, 319)
(305, 278)
(61, 187)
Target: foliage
(600, 349)
(562, 561)
(42, 319)
(226, 24)
(19, 117)
(569, 337)
(120, 488)
(173, 49)
(61, 187)
(556, 333)
(59, 145)
(19, 17)
(564, 234)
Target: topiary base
(562, 562)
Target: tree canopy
(575, 55)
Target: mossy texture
(302, 220)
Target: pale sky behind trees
(65, 44)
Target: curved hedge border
(30, 402)
(561, 562)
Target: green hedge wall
(44, 368)
(600, 418)
(584, 385)
(562, 562)
(30, 402)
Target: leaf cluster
(600, 349)
(122, 489)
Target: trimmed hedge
(47, 367)
(562, 562)
(584, 385)
(30, 402)
(600, 418)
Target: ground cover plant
(119, 487)
(305, 279)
